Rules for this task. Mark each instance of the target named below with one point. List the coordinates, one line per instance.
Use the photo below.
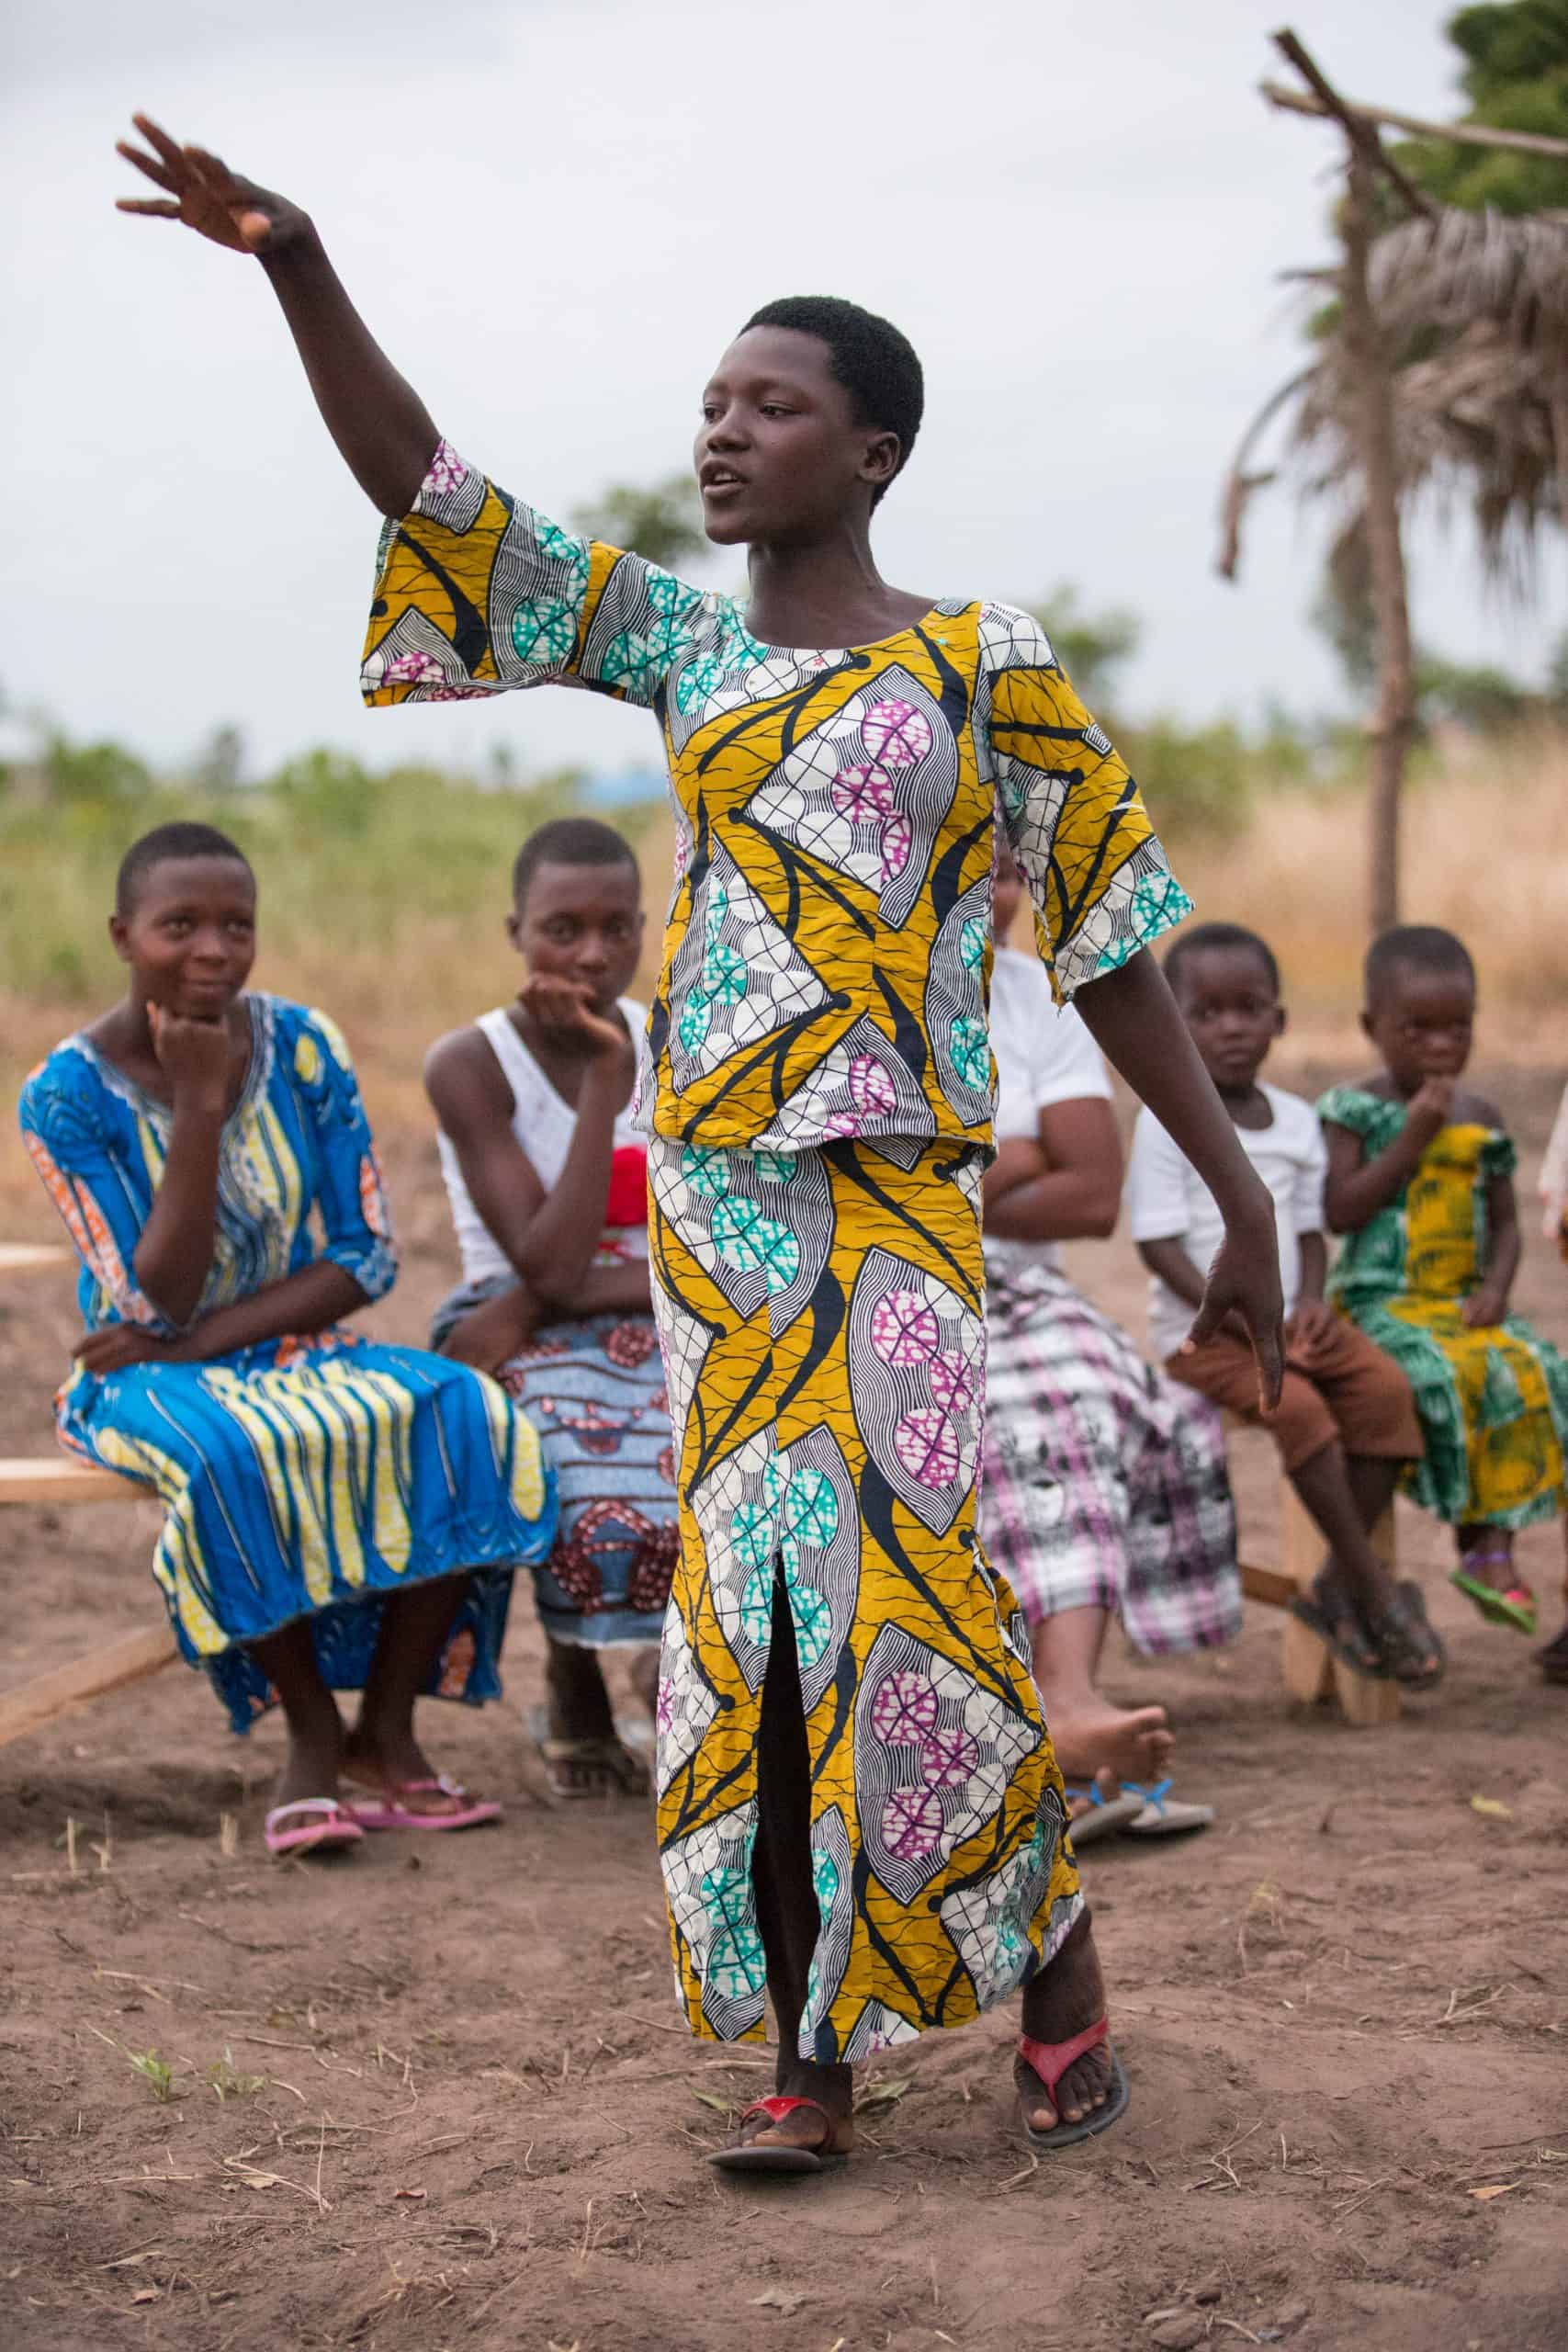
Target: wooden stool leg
(1306, 1664)
(1311, 1670)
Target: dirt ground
(440, 2095)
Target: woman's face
(583, 923)
(190, 936)
(779, 458)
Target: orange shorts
(1353, 1393)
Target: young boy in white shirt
(1345, 1421)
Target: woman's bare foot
(1094, 1737)
(1062, 2001)
(1486, 1553)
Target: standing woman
(859, 1814)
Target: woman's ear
(119, 937)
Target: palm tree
(1466, 317)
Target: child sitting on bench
(1346, 1425)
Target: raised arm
(381, 426)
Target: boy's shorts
(1352, 1393)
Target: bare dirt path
(440, 2095)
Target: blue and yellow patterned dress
(1493, 1402)
(303, 1477)
(819, 1093)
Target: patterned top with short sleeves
(827, 953)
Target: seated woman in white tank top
(548, 1182)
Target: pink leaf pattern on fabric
(896, 733)
(896, 838)
(871, 1084)
(952, 1382)
(947, 1758)
(911, 1824)
(863, 795)
(448, 472)
(904, 1712)
(928, 1448)
(903, 1328)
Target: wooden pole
(1394, 722)
(1465, 134)
(48, 1695)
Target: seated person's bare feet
(1130, 1743)
(583, 1754)
(1552, 1659)
(1062, 2001)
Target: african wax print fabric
(302, 1478)
(593, 1389)
(1493, 1404)
(1106, 1485)
(829, 945)
(822, 1315)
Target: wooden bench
(1311, 1674)
(54, 1480)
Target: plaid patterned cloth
(1105, 1483)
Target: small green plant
(156, 2072)
(227, 2081)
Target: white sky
(555, 212)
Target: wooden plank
(16, 1257)
(38, 1702)
(1271, 1586)
(58, 1479)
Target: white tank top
(543, 1123)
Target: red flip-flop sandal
(752, 2156)
(388, 1810)
(1050, 2061)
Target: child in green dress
(1420, 1181)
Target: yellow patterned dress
(1493, 1402)
(819, 1089)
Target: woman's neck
(827, 592)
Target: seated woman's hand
(488, 1336)
(119, 1344)
(1313, 1323)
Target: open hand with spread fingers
(200, 191)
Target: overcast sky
(555, 212)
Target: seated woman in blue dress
(341, 1515)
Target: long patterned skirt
(1106, 1485)
(822, 1320)
(594, 1391)
(312, 1478)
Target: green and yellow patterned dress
(1493, 1402)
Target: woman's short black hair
(1415, 947)
(569, 840)
(876, 365)
(184, 838)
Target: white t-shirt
(1044, 1055)
(1168, 1200)
(544, 1123)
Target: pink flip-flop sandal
(751, 2155)
(329, 1824)
(1050, 2061)
(388, 1812)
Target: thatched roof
(1476, 308)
